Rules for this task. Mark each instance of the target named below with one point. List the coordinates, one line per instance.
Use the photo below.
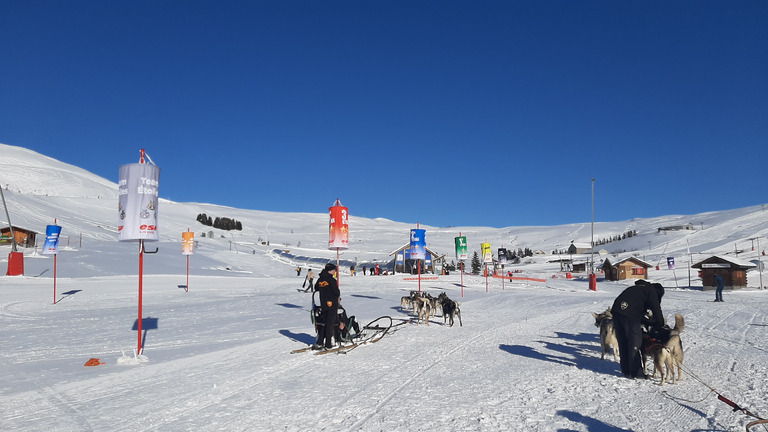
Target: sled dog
(604, 321)
(666, 349)
(450, 309)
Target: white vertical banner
(138, 189)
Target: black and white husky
(604, 321)
(450, 309)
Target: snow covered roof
(735, 261)
(632, 258)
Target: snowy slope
(526, 357)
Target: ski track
(444, 371)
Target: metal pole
(592, 255)
(8, 216)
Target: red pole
(54, 270)
(462, 278)
(54, 277)
(141, 277)
(419, 269)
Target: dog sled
(352, 336)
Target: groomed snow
(218, 356)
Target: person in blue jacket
(629, 314)
(720, 285)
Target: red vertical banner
(338, 227)
(338, 231)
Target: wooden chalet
(24, 237)
(628, 268)
(732, 270)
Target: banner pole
(141, 281)
(54, 277)
(462, 278)
(419, 270)
(141, 278)
(187, 286)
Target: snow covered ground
(218, 356)
(526, 358)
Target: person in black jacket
(629, 311)
(329, 305)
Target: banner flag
(138, 188)
(671, 263)
(187, 243)
(400, 259)
(487, 254)
(502, 256)
(51, 245)
(461, 248)
(338, 227)
(418, 244)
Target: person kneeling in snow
(346, 324)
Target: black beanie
(330, 266)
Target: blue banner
(418, 244)
(51, 246)
(671, 263)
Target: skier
(309, 278)
(720, 285)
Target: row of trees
(618, 237)
(224, 223)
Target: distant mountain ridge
(41, 189)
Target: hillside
(40, 190)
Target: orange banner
(187, 243)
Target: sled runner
(352, 335)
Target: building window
(638, 271)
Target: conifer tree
(475, 263)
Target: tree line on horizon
(223, 223)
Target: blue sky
(447, 113)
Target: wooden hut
(24, 237)
(628, 268)
(732, 270)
